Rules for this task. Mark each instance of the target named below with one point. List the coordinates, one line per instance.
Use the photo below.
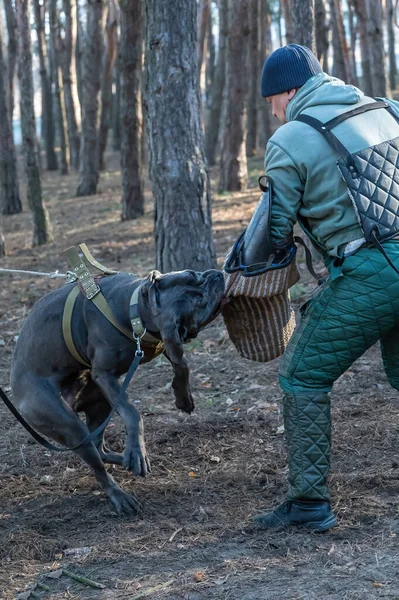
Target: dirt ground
(212, 470)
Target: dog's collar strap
(137, 323)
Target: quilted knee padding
(308, 429)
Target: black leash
(378, 245)
(308, 257)
(86, 440)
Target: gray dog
(50, 386)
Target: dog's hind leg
(96, 407)
(40, 403)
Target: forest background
(138, 128)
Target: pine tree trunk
(210, 63)
(321, 31)
(341, 61)
(2, 241)
(10, 202)
(111, 31)
(376, 45)
(58, 88)
(213, 124)
(253, 94)
(303, 22)
(178, 171)
(280, 26)
(360, 7)
(71, 99)
(130, 51)
(353, 41)
(204, 12)
(48, 129)
(233, 168)
(289, 27)
(265, 131)
(41, 222)
(12, 50)
(391, 44)
(116, 108)
(92, 55)
(80, 42)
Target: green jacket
(303, 165)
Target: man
(359, 304)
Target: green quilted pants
(340, 322)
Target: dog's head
(181, 303)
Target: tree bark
(265, 131)
(116, 107)
(178, 171)
(130, 56)
(71, 99)
(210, 63)
(41, 221)
(303, 22)
(10, 202)
(393, 70)
(92, 54)
(279, 17)
(58, 88)
(321, 31)
(341, 60)
(48, 128)
(80, 42)
(111, 46)
(204, 15)
(353, 42)
(289, 28)
(2, 241)
(12, 50)
(252, 104)
(213, 124)
(233, 168)
(360, 7)
(376, 45)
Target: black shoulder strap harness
(371, 175)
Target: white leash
(52, 275)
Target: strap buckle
(137, 339)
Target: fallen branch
(83, 580)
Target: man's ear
(150, 290)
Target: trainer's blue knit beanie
(288, 68)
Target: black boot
(314, 515)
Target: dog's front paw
(135, 459)
(185, 403)
(123, 503)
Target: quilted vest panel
(371, 176)
(373, 187)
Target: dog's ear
(150, 290)
(172, 342)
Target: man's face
(279, 104)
